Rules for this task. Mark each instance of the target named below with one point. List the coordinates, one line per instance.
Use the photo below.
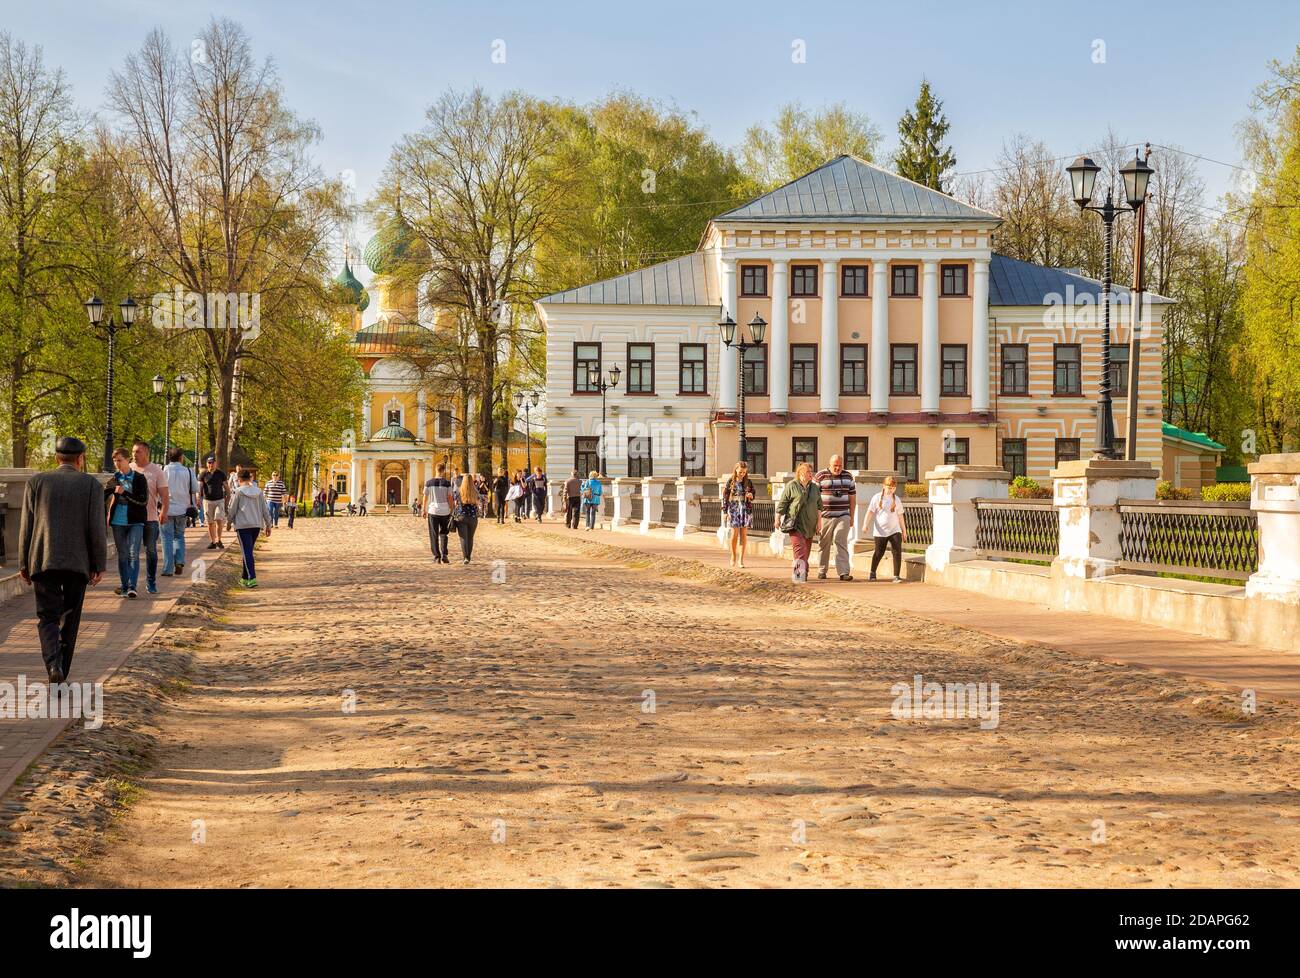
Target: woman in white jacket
(248, 514)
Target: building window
(904, 280)
(1013, 456)
(394, 416)
(442, 425)
(1015, 369)
(692, 368)
(693, 457)
(640, 368)
(855, 453)
(956, 451)
(756, 455)
(639, 462)
(753, 280)
(853, 281)
(754, 369)
(853, 368)
(902, 369)
(953, 280)
(1119, 369)
(586, 357)
(1067, 450)
(953, 371)
(803, 450)
(586, 455)
(803, 368)
(341, 483)
(803, 280)
(1065, 370)
(906, 459)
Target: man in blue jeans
(182, 491)
(154, 512)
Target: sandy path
(501, 736)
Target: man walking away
(839, 500)
(215, 490)
(572, 500)
(332, 495)
(182, 491)
(62, 549)
(437, 508)
(154, 512)
(275, 490)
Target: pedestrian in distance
(592, 490)
(517, 495)
(182, 494)
(275, 490)
(538, 491)
(466, 514)
(839, 502)
(738, 510)
(62, 548)
(501, 489)
(799, 510)
(437, 507)
(215, 490)
(127, 493)
(572, 500)
(248, 515)
(154, 513)
(362, 502)
(888, 526)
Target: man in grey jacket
(61, 550)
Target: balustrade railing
(1189, 537)
(1022, 529)
(710, 513)
(669, 515)
(918, 516)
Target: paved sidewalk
(1268, 672)
(99, 651)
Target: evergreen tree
(921, 155)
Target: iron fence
(919, 519)
(710, 513)
(1189, 537)
(635, 508)
(1023, 529)
(669, 515)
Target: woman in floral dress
(738, 511)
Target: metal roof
(851, 190)
(691, 280)
(1020, 283)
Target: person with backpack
(888, 527)
(799, 512)
(248, 514)
(592, 490)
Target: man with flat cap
(62, 549)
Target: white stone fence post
(690, 490)
(1275, 498)
(1086, 494)
(622, 489)
(652, 500)
(953, 491)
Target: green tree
(921, 155)
(799, 141)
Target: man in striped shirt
(839, 500)
(275, 490)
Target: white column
(417, 478)
(830, 353)
(880, 336)
(422, 416)
(372, 482)
(779, 338)
(354, 487)
(930, 337)
(979, 338)
(365, 415)
(728, 385)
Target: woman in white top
(885, 520)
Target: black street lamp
(526, 401)
(596, 383)
(95, 310)
(758, 329)
(1083, 176)
(160, 388)
(200, 400)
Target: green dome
(349, 281)
(393, 432)
(393, 246)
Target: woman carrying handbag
(799, 512)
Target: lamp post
(597, 383)
(95, 311)
(161, 389)
(200, 400)
(758, 330)
(525, 401)
(1083, 175)
(1135, 328)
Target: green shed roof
(1197, 438)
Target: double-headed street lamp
(1083, 176)
(160, 388)
(526, 400)
(597, 383)
(95, 310)
(758, 329)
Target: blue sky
(1174, 73)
